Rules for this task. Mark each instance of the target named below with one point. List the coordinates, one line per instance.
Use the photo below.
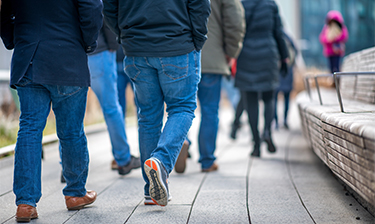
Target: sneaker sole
(158, 191)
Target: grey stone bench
(345, 142)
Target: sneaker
(213, 167)
(157, 176)
(133, 164)
(149, 201)
(114, 165)
(181, 160)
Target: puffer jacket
(328, 45)
(263, 48)
(226, 29)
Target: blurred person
(103, 69)
(258, 67)
(286, 82)
(49, 68)
(333, 37)
(226, 28)
(162, 58)
(122, 80)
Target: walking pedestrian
(286, 82)
(258, 68)
(49, 68)
(226, 29)
(333, 37)
(103, 70)
(162, 42)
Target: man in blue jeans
(103, 70)
(49, 68)
(226, 29)
(162, 42)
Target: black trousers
(250, 102)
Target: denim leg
(104, 84)
(121, 87)
(35, 106)
(173, 80)
(69, 106)
(286, 105)
(209, 98)
(150, 98)
(233, 94)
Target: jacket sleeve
(323, 36)
(233, 27)
(344, 36)
(7, 24)
(110, 37)
(279, 35)
(199, 11)
(110, 12)
(91, 20)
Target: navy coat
(263, 48)
(163, 28)
(51, 38)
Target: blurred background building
(304, 19)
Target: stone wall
(345, 142)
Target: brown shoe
(25, 213)
(114, 165)
(76, 203)
(181, 160)
(213, 167)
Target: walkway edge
(48, 139)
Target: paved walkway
(290, 186)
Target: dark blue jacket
(53, 37)
(158, 28)
(263, 47)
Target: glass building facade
(359, 16)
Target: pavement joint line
(195, 197)
(286, 159)
(249, 164)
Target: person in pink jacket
(333, 38)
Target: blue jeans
(233, 94)
(209, 98)
(104, 84)
(69, 105)
(122, 82)
(173, 80)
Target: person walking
(103, 69)
(333, 37)
(226, 29)
(162, 58)
(49, 68)
(286, 82)
(258, 66)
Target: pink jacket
(328, 46)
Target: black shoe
(270, 146)
(256, 150)
(133, 164)
(286, 126)
(62, 178)
(233, 131)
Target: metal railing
(335, 76)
